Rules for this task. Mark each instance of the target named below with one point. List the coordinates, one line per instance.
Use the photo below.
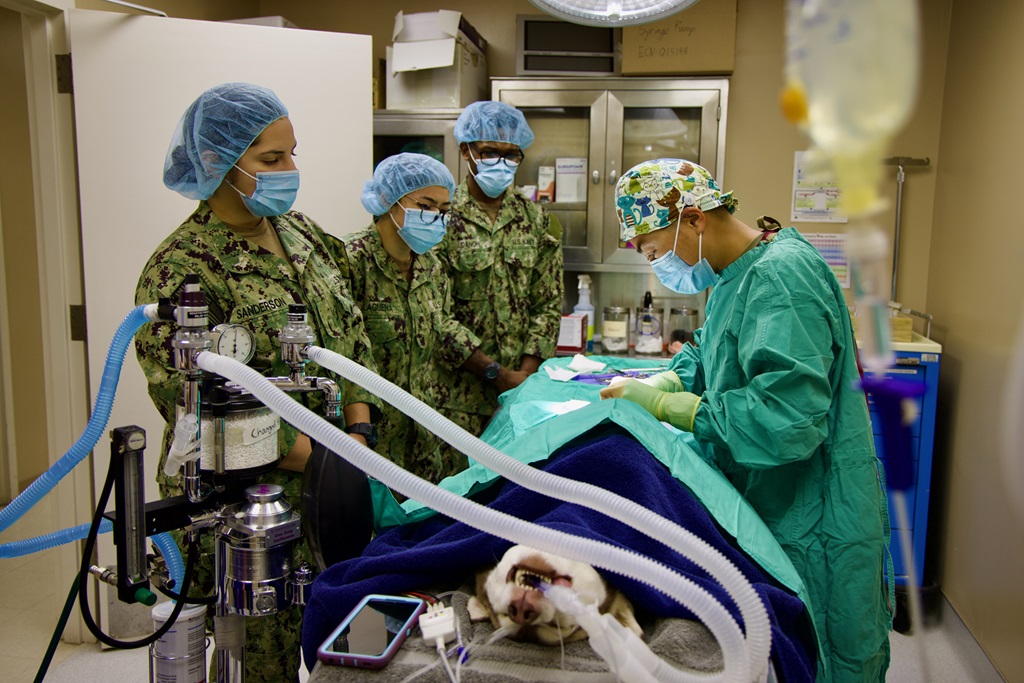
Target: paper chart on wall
(817, 197)
(833, 247)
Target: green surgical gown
(781, 417)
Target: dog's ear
(619, 606)
(479, 605)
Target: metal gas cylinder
(254, 552)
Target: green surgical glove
(665, 381)
(677, 408)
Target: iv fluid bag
(857, 61)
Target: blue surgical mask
(675, 274)
(275, 192)
(494, 178)
(422, 230)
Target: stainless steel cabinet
(614, 123)
(430, 132)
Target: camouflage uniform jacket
(506, 285)
(249, 285)
(417, 344)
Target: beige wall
(496, 21)
(20, 260)
(968, 117)
(183, 9)
(974, 289)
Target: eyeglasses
(428, 214)
(491, 157)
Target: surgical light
(612, 12)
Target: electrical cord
(83, 578)
(443, 654)
(57, 632)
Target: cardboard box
(572, 335)
(276, 21)
(901, 327)
(528, 191)
(437, 61)
(545, 183)
(570, 179)
(699, 40)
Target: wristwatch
(492, 370)
(369, 432)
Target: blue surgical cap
(213, 134)
(401, 174)
(493, 122)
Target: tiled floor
(31, 595)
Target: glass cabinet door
(645, 125)
(615, 123)
(566, 125)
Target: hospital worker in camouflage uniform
(232, 151)
(504, 255)
(771, 393)
(404, 293)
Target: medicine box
(546, 184)
(570, 179)
(572, 335)
(438, 61)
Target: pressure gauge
(234, 341)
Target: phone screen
(374, 627)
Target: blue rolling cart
(916, 361)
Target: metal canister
(254, 552)
(615, 328)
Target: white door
(134, 76)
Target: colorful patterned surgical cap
(649, 196)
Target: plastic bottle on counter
(585, 307)
(648, 328)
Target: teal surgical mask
(494, 176)
(422, 230)
(275, 192)
(680, 277)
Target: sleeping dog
(507, 597)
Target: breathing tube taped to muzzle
(604, 555)
(755, 617)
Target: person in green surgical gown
(770, 391)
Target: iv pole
(900, 163)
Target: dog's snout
(523, 607)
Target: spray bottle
(585, 307)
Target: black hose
(83, 578)
(208, 600)
(57, 632)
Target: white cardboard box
(546, 184)
(570, 179)
(437, 61)
(276, 21)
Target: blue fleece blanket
(440, 551)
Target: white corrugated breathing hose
(752, 610)
(596, 553)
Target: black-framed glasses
(491, 157)
(428, 214)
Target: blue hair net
(401, 174)
(493, 122)
(213, 134)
